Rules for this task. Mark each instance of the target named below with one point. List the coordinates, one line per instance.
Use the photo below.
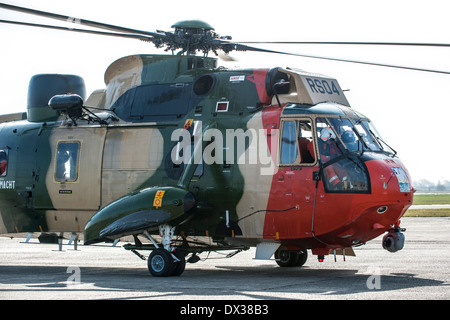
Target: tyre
(160, 263)
(286, 258)
(302, 257)
(291, 258)
(179, 266)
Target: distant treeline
(426, 185)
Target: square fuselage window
(3, 162)
(67, 161)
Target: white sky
(409, 108)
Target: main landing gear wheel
(162, 264)
(165, 260)
(291, 258)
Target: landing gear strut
(165, 261)
(168, 258)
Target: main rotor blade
(103, 33)
(410, 44)
(84, 22)
(241, 47)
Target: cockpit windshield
(345, 134)
(339, 140)
(383, 145)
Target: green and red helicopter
(188, 157)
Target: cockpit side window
(297, 146)
(329, 145)
(305, 141)
(289, 149)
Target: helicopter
(196, 158)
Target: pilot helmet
(327, 133)
(348, 137)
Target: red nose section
(320, 215)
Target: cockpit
(338, 142)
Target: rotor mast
(193, 35)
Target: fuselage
(259, 169)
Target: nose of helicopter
(391, 195)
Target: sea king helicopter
(187, 157)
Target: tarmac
(33, 271)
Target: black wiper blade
(383, 142)
(393, 150)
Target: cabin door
(69, 165)
(293, 188)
